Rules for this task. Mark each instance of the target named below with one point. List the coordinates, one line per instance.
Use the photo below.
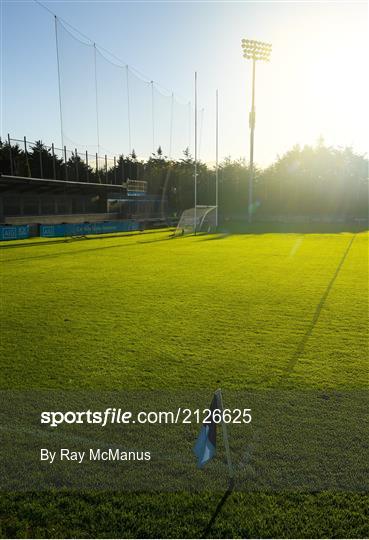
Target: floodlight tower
(254, 50)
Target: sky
(316, 84)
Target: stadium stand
(34, 202)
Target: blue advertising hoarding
(14, 232)
(81, 229)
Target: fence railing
(21, 157)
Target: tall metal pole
(96, 102)
(87, 171)
(10, 156)
(77, 172)
(216, 158)
(255, 50)
(171, 126)
(195, 186)
(189, 126)
(153, 116)
(252, 129)
(53, 154)
(59, 84)
(27, 160)
(128, 111)
(65, 163)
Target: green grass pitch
(260, 311)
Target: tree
(79, 171)
(42, 163)
(313, 182)
(12, 160)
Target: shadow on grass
(233, 229)
(217, 511)
(68, 239)
(203, 236)
(169, 237)
(72, 253)
(216, 236)
(298, 228)
(301, 346)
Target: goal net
(201, 219)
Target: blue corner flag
(205, 445)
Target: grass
(141, 311)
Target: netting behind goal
(203, 220)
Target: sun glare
(334, 80)
(316, 84)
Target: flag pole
(195, 172)
(216, 158)
(226, 440)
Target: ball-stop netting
(108, 107)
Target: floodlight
(254, 50)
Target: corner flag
(205, 445)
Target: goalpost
(199, 219)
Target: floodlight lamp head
(257, 50)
